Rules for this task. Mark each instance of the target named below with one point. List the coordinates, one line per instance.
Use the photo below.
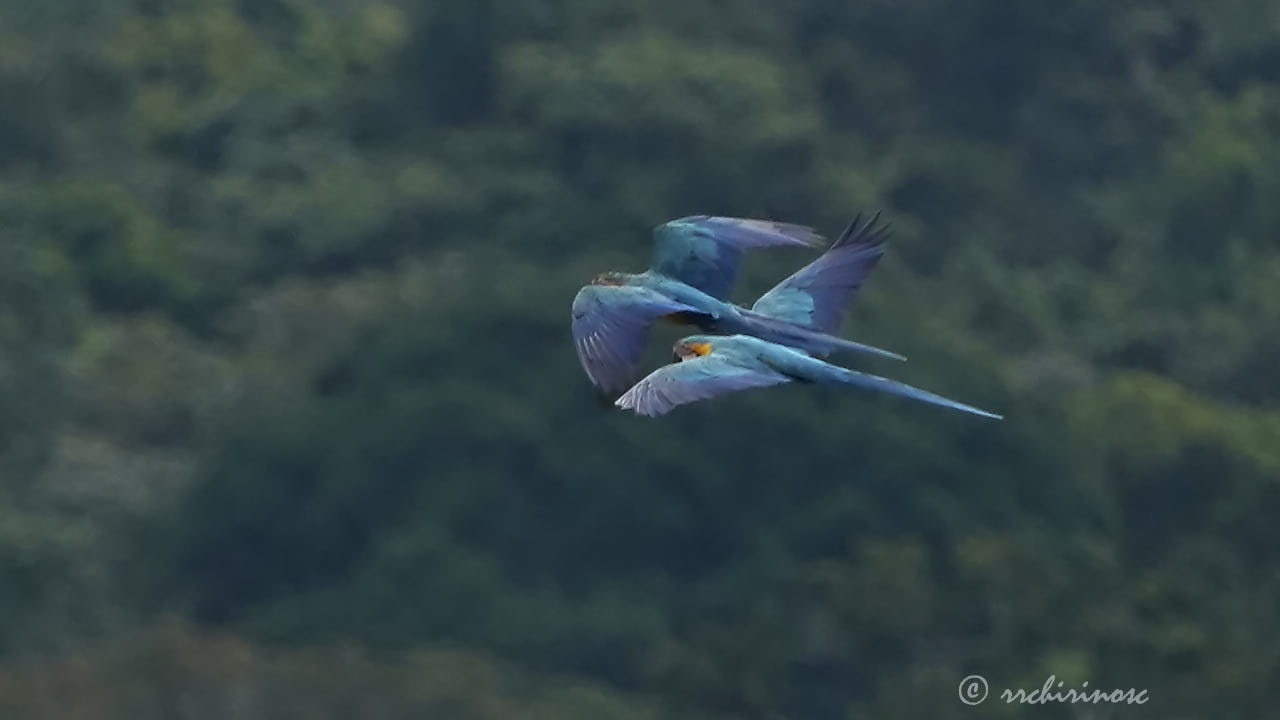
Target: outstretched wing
(610, 326)
(818, 294)
(893, 387)
(704, 251)
(697, 379)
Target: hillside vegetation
(291, 425)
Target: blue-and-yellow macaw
(693, 268)
(714, 365)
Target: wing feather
(610, 327)
(818, 294)
(704, 251)
(692, 380)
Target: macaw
(693, 268)
(707, 366)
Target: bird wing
(818, 294)
(610, 326)
(692, 380)
(893, 387)
(704, 251)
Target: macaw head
(690, 348)
(609, 278)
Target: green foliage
(284, 352)
(175, 671)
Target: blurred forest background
(291, 425)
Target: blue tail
(893, 387)
(793, 335)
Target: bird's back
(683, 293)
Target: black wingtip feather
(870, 233)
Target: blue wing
(818, 294)
(610, 327)
(893, 387)
(692, 380)
(704, 251)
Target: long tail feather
(788, 333)
(893, 387)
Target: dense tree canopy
(289, 410)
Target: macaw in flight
(708, 366)
(693, 268)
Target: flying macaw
(693, 268)
(708, 366)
